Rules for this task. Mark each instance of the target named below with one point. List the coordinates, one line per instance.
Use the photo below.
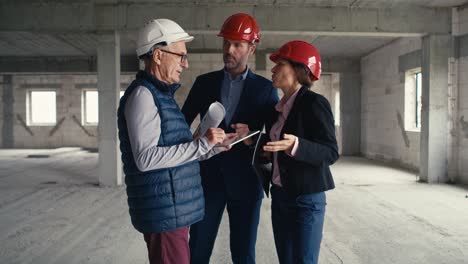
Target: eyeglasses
(183, 57)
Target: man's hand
(229, 137)
(242, 130)
(286, 144)
(215, 135)
(196, 136)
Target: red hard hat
(242, 27)
(301, 52)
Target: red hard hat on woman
(300, 52)
(241, 27)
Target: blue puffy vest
(163, 199)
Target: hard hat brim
(274, 57)
(183, 37)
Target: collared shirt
(231, 91)
(283, 107)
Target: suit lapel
(295, 109)
(217, 85)
(215, 95)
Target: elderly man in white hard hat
(160, 157)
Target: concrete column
(260, 60)
(350, 112)
(8, 112)
(434, 113)
(108, 66)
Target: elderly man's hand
(242, 130)
(196, 136)
(215, 135)
(229, 138)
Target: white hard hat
(157, 31)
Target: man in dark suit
(228, 179)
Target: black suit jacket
(311, 120)
(231, 172)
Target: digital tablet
(236, 140)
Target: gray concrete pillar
(8, 112)
(108, 66)
(434, 112)
(260, 60)
(350, 112)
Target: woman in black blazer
(303, 144)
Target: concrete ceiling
(41, 44)
(371, 3)
(317, 3)
(52, 43)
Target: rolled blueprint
(212, 118)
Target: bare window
(90, 106)
(41, 108)
(413, 90)
(337, 109)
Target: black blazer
(311, 120)
(231, 171)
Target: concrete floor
(52, 211)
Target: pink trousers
(168, 247)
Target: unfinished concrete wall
(2, 113)
(462, 129)
(68, 130)
(458, 99)
(383, 103)
(462, 81)
(383, 136)
(460, 21)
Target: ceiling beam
(90, 17)
(462, 6)
(88, 64)
(59, 64)
(295, 33)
